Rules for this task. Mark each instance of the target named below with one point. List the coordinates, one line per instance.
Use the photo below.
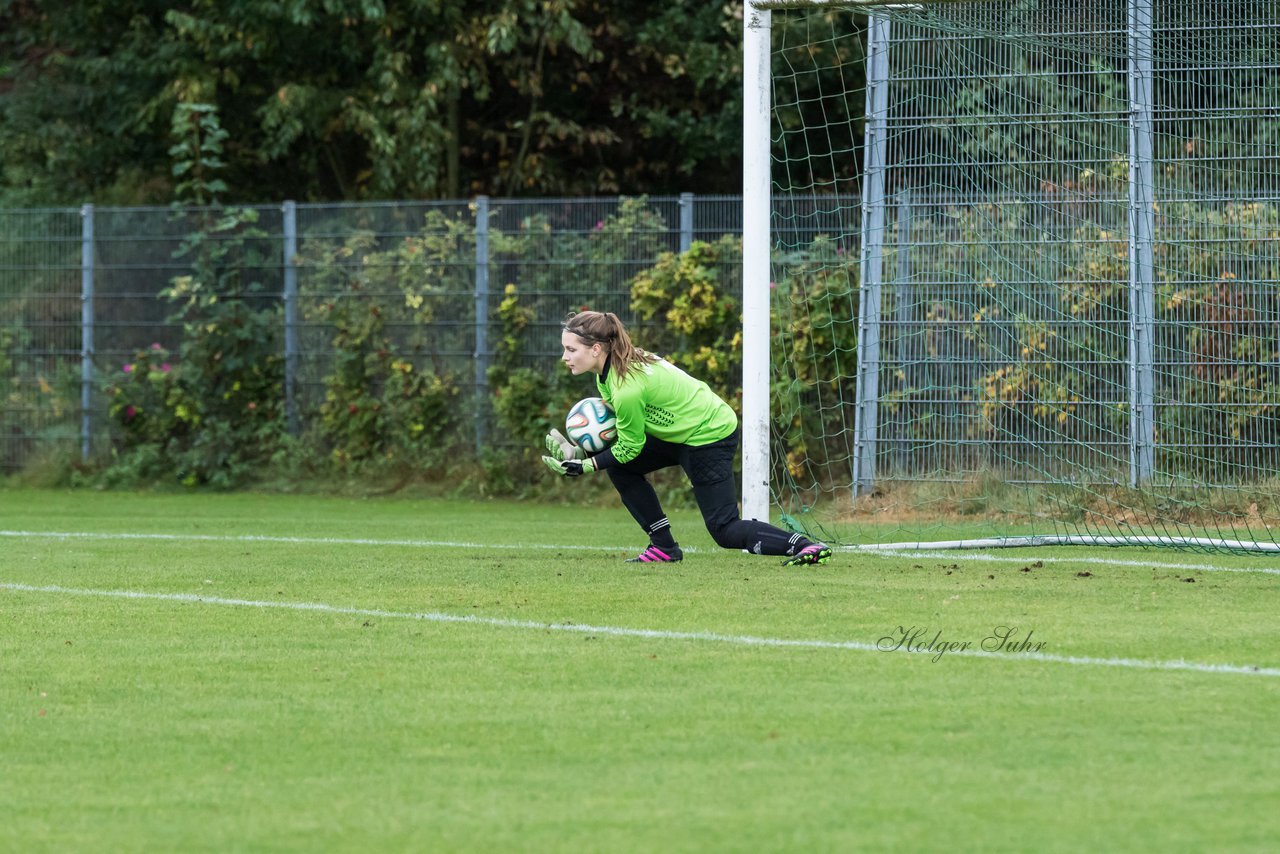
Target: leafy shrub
(212, 414)
(692, 296)
(380, 409)
(39, 395)
(138, 400)
(526, 402)
(228, 391)
(814, 362)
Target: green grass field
(278, 673)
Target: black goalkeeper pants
(710, 472)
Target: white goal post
(757, 206)
(1013, 266)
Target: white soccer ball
(591, 425)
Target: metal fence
(1070, 260)
(81, 290)
(1116, 310)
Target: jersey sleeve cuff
(604, 459)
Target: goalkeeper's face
(581, 357)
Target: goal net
(1025, 271)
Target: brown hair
(604, 328)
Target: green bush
(814, 361)
(228, 388)
(380, 410)
(214, 415)
(39, 394)
(139, 394)
(526, 402)
(690, 299)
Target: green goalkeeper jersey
(658, 399)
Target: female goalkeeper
(665, 418)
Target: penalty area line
(648, 634)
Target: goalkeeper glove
(570, 468)
(561, 448)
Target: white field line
(952, 556)
(324, 541)
(651, 634)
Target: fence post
(871, 263)
(907, 350)
(1141, 241)
(686, 221)
(86, 330)
(482, 323)
(289, 211)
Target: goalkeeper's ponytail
(604, 327)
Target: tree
(366, 99)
